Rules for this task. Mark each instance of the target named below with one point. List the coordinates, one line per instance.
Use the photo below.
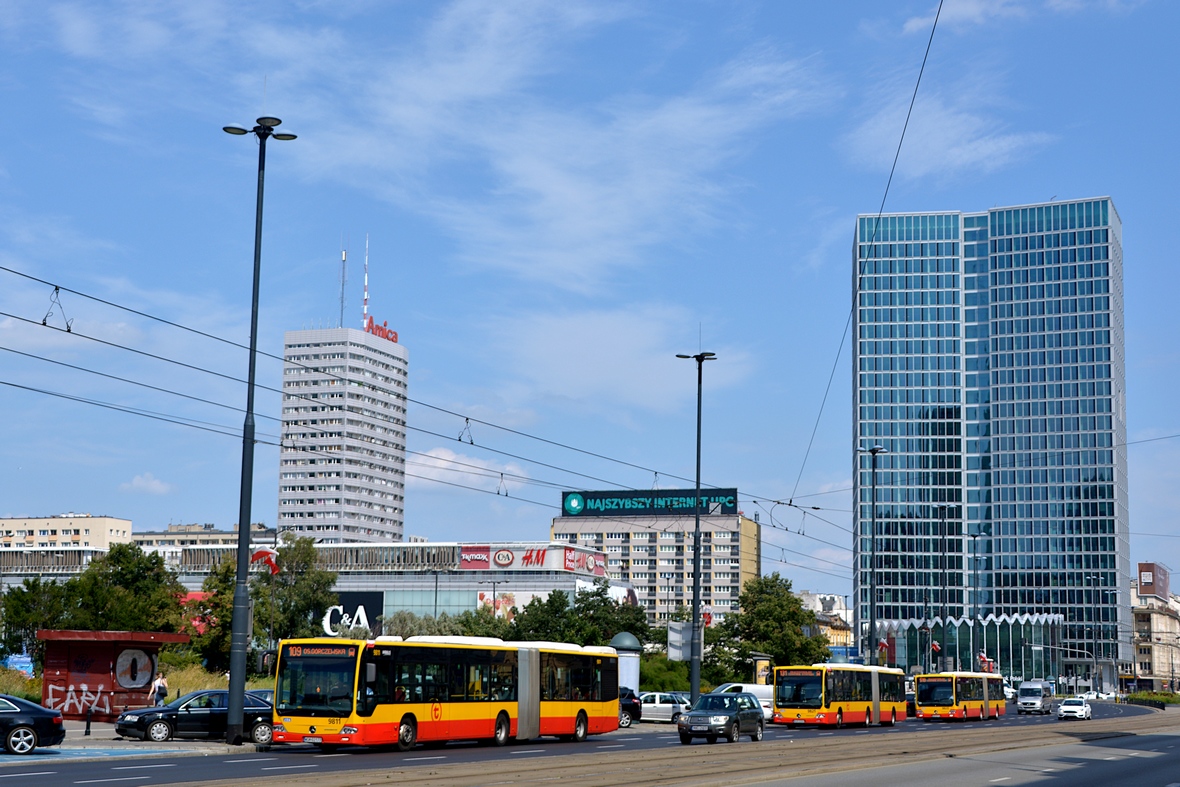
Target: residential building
(64, 530)
(647, 537)
(342, 462)
(1156, 613)
(989, 369)
(196, 534)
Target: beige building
(193, 535)
(1156, 612)
(64, 530)
(648, 541)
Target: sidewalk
(102, 736)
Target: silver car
(663, 706)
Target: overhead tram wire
(263, 353)
(876, 227)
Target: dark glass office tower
(989, 367)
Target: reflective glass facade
(988, 363)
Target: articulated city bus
(960, 695)
(838, 694)
(438, 689)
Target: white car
(1089, 695)
(1107, 695)
(663, 706)
(1073, 708)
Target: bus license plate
(312, 739)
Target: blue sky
(559, 198)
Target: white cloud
(966, 13)
(425, 470)
(146, 484)
(946, 137)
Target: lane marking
(28, 773)
(436, 757)
(527, 751)
(136, 767)
(338, 754)
(119, 779)
(253, 759)
(612, 746)
(1001, 779)
(288, 767)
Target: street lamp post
(694, 670)
(493, 583)
(876, 449)
(942, 564)
(974, 595)
(239, 640)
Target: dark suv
(630, 709)
(726, 716)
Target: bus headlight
(348, 730)
(278, 728)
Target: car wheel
(732, 736)
(20, 740)
(758, 732)
(675, 718)
(624, 719)
(581, 728)
(407, 734)
(262, 733)
(159, 731)
(685, 739)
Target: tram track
(732, 764)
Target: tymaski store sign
(661, 502)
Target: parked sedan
(198, 714)
(630, 708)
(26, 725)
(1073, 708)
(722, 715)
(663, 706)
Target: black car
(27, 725)
(630, 708)
(911, 708)
(728, 715)
(266, 695)
(198, 714)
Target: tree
(209, 619)
(32, 605)
(126, 589)
(657, 673)
(549, 619)
(482, 622)
(404, 623)
(602, 617)
(772, 620)
(292, 603)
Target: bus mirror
(370, 673)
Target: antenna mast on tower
(365, 312)
(343, 281)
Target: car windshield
(1073, 702)
(716, 702)
(1030, 691)
(182, 699)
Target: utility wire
(876, 226)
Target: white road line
(288, 767)
(436, 757)
(527, 751)
(119, 779)
(253, 759)
(1110, 758)
(137, 767)
(338, 754)
(634, 739)
(28, 773)
(1001, 779)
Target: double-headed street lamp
(694, 668)
(876, 449)
(239, 641)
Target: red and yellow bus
(437, 689)
(959, 695)
(838, 694)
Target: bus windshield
(316, 680)
(795, 690)
(936, 691)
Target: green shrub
(657, 673)
(18, 684)
(1159, 696)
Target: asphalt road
(144, 765)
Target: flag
(934, 646)
(267, 556)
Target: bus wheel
(581, 727)
(869, 717)
(839, 719)
(503, 729)
(892, 717)
(407, 734)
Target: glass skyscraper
(989, 371)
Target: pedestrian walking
(159, 691)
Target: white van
(1034, 696)
(764, 693)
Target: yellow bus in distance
(833, 695)
(959, 696)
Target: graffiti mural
(67, 699)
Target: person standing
(159, 690)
